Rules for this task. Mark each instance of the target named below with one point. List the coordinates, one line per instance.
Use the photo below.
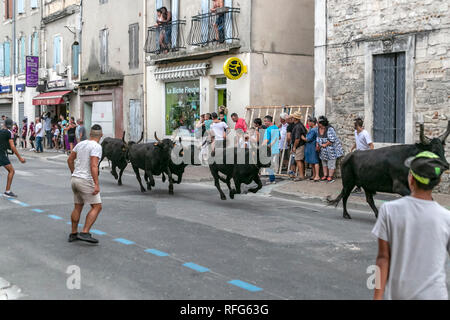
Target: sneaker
(73, 237)
(330, 180)
(86, 237)
(10, 194)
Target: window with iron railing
(214, 27)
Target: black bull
(116, 151)
(383, 170)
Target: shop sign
(5, 89)
(234, 68)
(56, 84)
(20, 87)
(32, 71)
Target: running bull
(383, 170)
(116, 150)
(244, 168)
(154, 159)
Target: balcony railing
(217, 27)
(165, 38)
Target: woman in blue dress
(311, 154)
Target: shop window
(182, 106)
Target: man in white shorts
(83, 164)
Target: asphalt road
(188, 246)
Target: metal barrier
(254, 112)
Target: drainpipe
(80, 56)
(14, 40)
(145, 71)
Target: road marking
(38, 210)
(54, 217)
(25, 173)
(124, 241)
(100, 233)
(245, 285)
(195, 267)
(19, 203)
(157, 252)
(70, 223)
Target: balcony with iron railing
(210, 34)
(214, 28)
(165, 38)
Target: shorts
(330, 164)
(4, 160)
(71, 139)
(82, 192)
(300, 153)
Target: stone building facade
(382, 60)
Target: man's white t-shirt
(418, 232)
(363, 140)
(41, 133)
(85, 150)
(218, 129)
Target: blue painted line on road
(195, 267)
(100, 233)
(124, 241)
(157, 252)
(245, 285)
(70, 223)
(22, 204)
(54, 217)
(38, 210)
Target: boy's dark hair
(269, 118)
(234, 115)
(258, 121)
(214, 115)
(96, 127)
(359, 122)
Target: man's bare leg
(9, 180)
(92, 217)
(76, 213)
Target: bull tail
(335, 202)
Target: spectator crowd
(60, 135)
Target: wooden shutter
(133, 32)
(104, 50)
(7, 47)
(21, 6)
(34, 4)
(75, 59)
(22, 55)
(36, 44)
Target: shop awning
(50, 98)
(182, 72)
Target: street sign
(32, 71)
(234, 68)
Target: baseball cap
(8, 123)
(426, 167)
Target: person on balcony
(166, 29)
(219, 26)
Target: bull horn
(423, 139)
(142, 137)
(123, 137)
(156, 137)
(446, 134)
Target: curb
(319, 200)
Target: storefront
(182, 106)
(56, 102)
(6, 101)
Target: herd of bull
(156, 159)
(380, 170)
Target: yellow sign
(234, 68)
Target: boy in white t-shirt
(363, 141)
(218, 131)
(414, 237)
(83, 164)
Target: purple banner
(32, 75)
